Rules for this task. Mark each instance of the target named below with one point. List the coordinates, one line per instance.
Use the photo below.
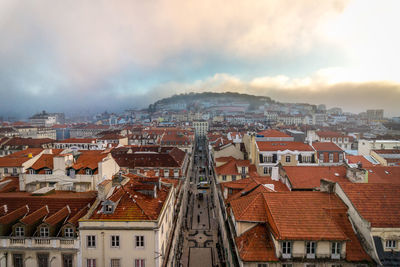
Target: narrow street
(200, 233)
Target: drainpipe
(103, 249)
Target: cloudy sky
(86, 56)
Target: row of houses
(313, 208)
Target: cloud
(87, 42)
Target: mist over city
(208, 133)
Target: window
(223, 177)
(88, 172)
(339, 140)
(243, 170)
(321, 157)
(262, 265)
(139, 263)
(233, 177)
(115, 241)
(268, 159)
(44, 231)
(5, 170)
(67, 260)
(391, 244)
(265, 170)
(91, 263)
(330, 157)
(115, 263)
(287, 158)
(19, 231)
(31, 171)
(43, 259)
(14, 170)
(286, 249)
(91, 241)
(69, 232)
(18, 260)
(340, 157)
(310, 249)
(48, 171)
(336, 246)
(140, 241)
(334, 140)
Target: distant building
(365, 146)
(43, 119)
(375, 114)
(200, 128)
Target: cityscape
(207, 134)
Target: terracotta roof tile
(283, 145)
(14, 215)
(377, 203)
(58, 216)
(383, 174)
(36, 215)
(325, 146)
(309, 177)
(256, 245)
(273, 133)
(133, 205)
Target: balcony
(37, 242)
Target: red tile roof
(230, 168)
(18, 158)
(14, 215)
(256, 245)
(326, 146)
(377, 203)
(330, 134)
(36, 215)
(383, 174)
(11, 184)
(351, 159)
(298, 215)
(58, 216)
(78, 141)
(309, 177)
(89, 159)
(283, 145)
(55, 202)
(354, 249)
(133, 205)
(273, 133)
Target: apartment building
(328, 153)
(20, 161)
(14, 144)
(231, 169)
(345, 142)
(81, 144)
(271, 153)
(200, 128)
(75, 171)
(42, 230)
(167, 162)
(131, 227)
(365, 146)
(294, 229)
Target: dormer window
(310, 250)
(108, 207)
(44, 231)
(390, 244)
(336, 247)
(31, 171)
(286, 249)
(69, 232)
(19, 231)
(89, 172)
(48, 171)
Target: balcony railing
(37, 242)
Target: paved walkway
(200, 235)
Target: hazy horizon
(77, 57)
